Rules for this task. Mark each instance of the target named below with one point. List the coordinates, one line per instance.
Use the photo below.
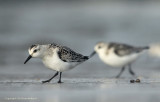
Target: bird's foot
(132, 73)
(59, 82)
(46, 81)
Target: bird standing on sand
(118, 55)
(56, 57)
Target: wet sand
(97, 90)
(92, 84)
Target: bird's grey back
(124, 49)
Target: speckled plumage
(68, 55)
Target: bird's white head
(35, 51)
(100, 47)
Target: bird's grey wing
(68, 55)
(123, 49)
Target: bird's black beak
(29, 57)
(92, 54)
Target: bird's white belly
(58, 65)
(118, 61)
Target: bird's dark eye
(99, 47)
(35, 51)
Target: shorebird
(56, 57)
(118, 55)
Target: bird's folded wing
(68, 55)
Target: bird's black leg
(130, 70)
(50, 78)
(123, 68)
(60, 78)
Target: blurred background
(78, 24)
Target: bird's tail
(154, 49)
(140, 49)
(147, 47)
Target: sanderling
(56, 57)
(118, 55)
